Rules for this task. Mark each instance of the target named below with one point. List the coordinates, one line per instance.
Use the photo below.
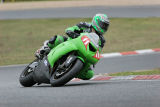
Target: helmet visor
(103, 25)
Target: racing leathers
(74, 32)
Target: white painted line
(144, 51)
(123, 77)
(111, 55)
(139, 52)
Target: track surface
(72, 12)
(128, 63)
(126, 93)
(78, 94)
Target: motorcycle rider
(99, 25)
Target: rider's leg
(86, 74)
(56, 40)
(49, 44)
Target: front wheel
(73, 70)
(26, 77)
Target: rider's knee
(86, 75)
(52, 40)
(89, 74)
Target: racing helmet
(100, 23)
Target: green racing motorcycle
(64, 62)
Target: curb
(130, 77)
(136, 52)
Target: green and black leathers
(74, 32)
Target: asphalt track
(128, 63)
(83, 12)
(126, 93)
(79, 94)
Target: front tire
(26, 77)
(75, 69)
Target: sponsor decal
(85, 40)
(97, 55)
(45, 62)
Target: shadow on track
(72, 84)
(85, 83)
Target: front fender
(59, 51)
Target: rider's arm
(73, 32)
(84, 25)
(102, 41)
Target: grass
(147, 72)
(19, 39)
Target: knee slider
(89, 74)
(86, 75)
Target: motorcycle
(64, 62)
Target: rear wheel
(61, 78)
(26, 77)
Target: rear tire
(76, 68)
(26, 78)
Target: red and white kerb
(136, 52)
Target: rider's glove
(44, 50)
(72, 34)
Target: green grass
(147, 72)
(19, 39)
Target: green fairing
(85, 55)
(59, 51)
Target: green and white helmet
(100, 23)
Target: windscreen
(94, 39)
